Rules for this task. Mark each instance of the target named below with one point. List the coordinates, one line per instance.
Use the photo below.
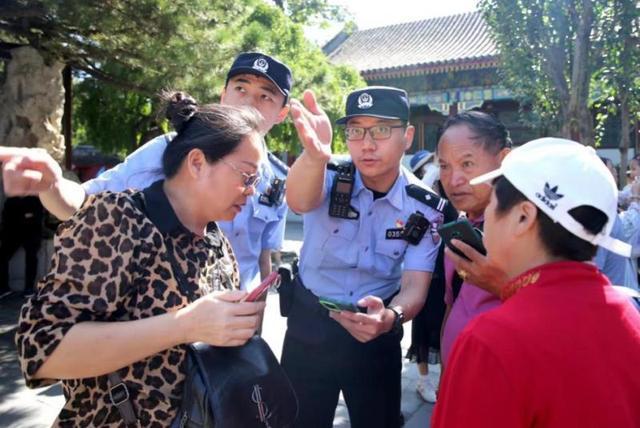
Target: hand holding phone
(463, 231)
(273, 279)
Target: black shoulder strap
(118, 390)
(432, 200)
(277, 163)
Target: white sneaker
(427, 390)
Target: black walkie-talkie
(274, 195)
(340, 198)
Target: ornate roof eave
(431, 68)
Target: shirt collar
(555, 273)
(162, 215)
(159, 208)
(395, 195)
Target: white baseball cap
(558, 175)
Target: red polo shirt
(562, 351)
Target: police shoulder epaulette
(427, 197)
(277, 163)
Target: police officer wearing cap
(366, 260)
(259, 227)
(255, 80)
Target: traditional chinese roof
(449, 43)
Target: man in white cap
(560, 350)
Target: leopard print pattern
(110, 264)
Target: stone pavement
(24, 408)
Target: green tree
(129, 36)
(618, 76)
(312, 11)
(135, 47)
(546, 52)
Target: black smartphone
(463, 231)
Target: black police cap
(263, 65)
(377, 101)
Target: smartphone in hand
(272, 280)
(337, 306)
(463, 231)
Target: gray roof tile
(438, 41)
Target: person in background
(423, 165)
(626, 195)
(22, 227)
(611, 167)
(561, 350)
(621, 270)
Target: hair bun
(180, 108)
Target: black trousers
(10, 242)
(321, 359)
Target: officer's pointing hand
(365, 327)
(313, 126)
(28, 171)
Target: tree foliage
(312, 11)
(617, 77)
(130, 36)
(124, 52)
(554, 54)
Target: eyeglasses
(378, 132)
(250, 180)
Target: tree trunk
(67, 128)
(578, 123)
(31, 102)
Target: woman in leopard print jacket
(111, 302)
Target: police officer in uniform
(366, 260)
(259, 228)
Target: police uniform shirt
(256, 227)
(347, 260)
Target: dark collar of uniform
(395, 195)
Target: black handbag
(229, 387)
(239, 387)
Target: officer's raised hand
(365, 327)
(313, 126)
(306, 176)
